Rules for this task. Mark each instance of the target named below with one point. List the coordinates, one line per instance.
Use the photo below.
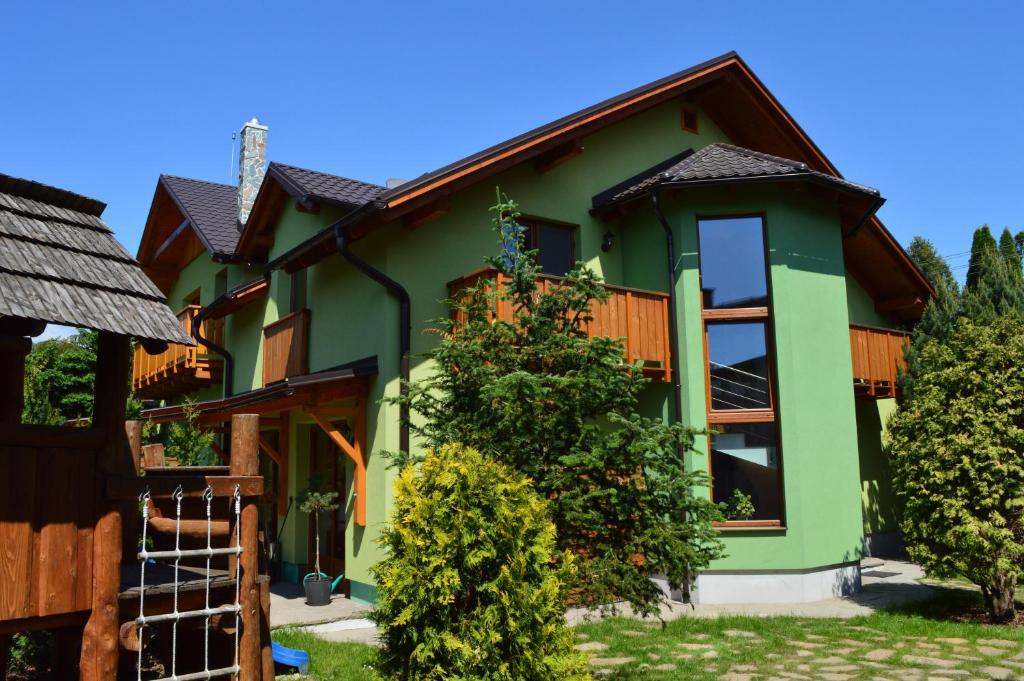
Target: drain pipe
(229, 361)
(673, 323)
(673, 335)
(342, 239)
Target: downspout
(673, 324)
(229, 361)
(342, 239)
(673, 335)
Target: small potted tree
(314, 501)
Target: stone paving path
(878, 656)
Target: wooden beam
(171, 238)
(428, 213)
(163, 486)
(21, 326)
(355, 453)
(13, 351)
(557, 156)
(896, 304)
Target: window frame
(738, 315)
(530, 224)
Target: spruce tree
(994, 287)
(1008, 249)
(535, 392)
(934, 267)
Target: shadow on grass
(953, 604)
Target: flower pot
(318, 591)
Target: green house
(756, 286)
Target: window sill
(750, 526)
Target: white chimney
(252, 164)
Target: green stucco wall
(813, 370)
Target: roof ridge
(194, 179)
(323, 172)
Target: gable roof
(726, 90)
(309, 188)
(60, 263)
(720, 163)
(211, 208)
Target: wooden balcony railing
(180, 369)
(285, 347)
(877, 355)
(640, 318)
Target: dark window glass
(745, 470)
(555, 243)
(738, 366)
(298, 291)
(732, 263)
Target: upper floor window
(297, 291)
(556, 244)
(739, 370)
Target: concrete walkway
(288, 608)
(893, 583)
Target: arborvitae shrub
(472, 586)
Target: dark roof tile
(718, 162)
(326, 188)
(212, 208)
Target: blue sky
(923, 100)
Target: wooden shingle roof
(60, 263)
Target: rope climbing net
(207, 613)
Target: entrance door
(327, 462)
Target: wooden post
(245, 436)
(98, 661)
(153, 455)
(133, 431)
(13, 350)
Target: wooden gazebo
(68, 492)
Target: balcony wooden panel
(638, 317)
(180, 369)
(877, 357)
(285, 347)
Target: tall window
(745, 461)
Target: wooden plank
(161, 487)
(56, 563)
(64, 437)
(18, 470)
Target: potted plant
(314, 501)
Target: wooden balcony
(285, 347)
(877, 356)
(180, 369)
(638, 317)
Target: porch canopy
(323, 397)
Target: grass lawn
(917, 642)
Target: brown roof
(211, 207)
(60, 263)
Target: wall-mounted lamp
(607, 241)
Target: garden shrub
(472, 586)
(957, 457)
